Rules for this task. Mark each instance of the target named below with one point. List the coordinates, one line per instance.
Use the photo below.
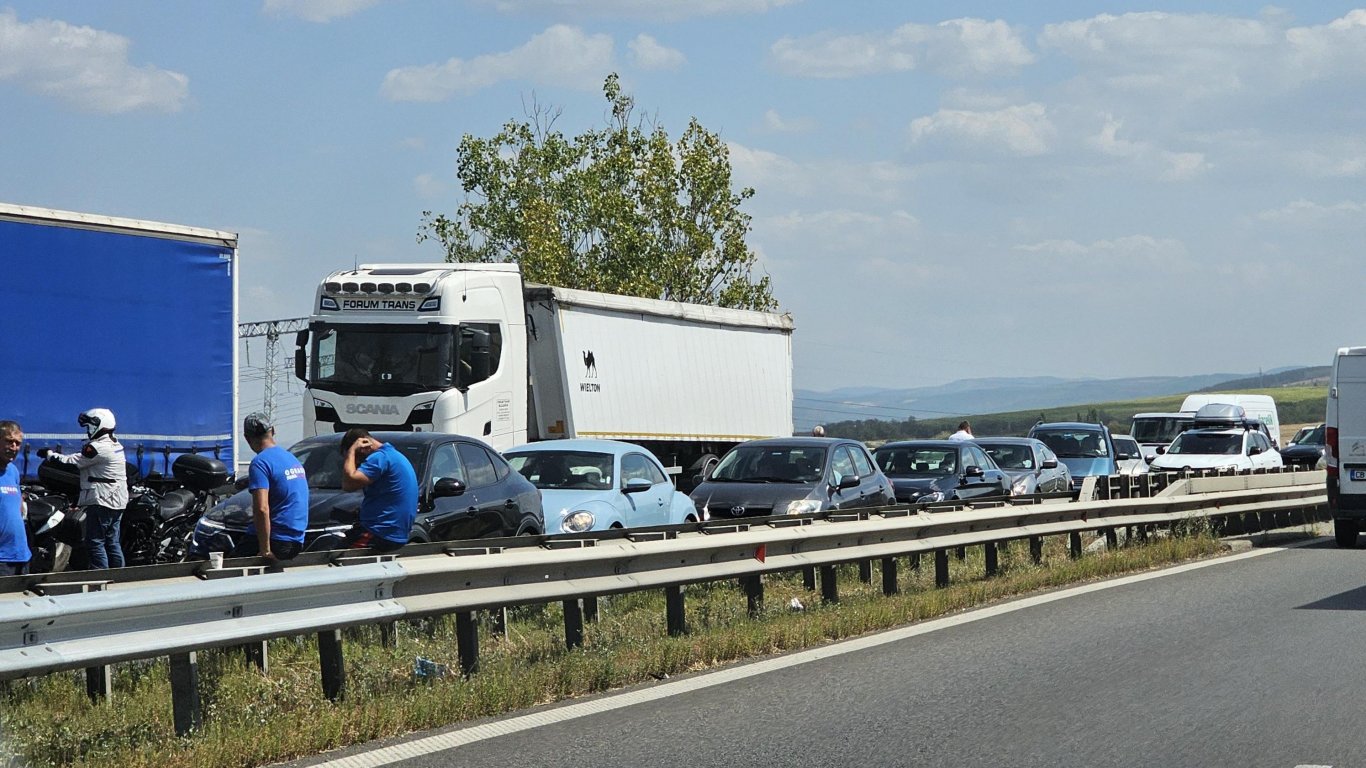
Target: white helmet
(96, 420)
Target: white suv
(1224, 449)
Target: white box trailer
(470, 349)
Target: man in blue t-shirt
(14, 551)
(390, 504)
(279, 496)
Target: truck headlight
(577, 522)
(803, 507)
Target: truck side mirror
(301, 364)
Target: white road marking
(451, 739)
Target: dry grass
(253, 719)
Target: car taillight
(1330, 442)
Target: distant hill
(1286, 377)
(967, 397)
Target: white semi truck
(471, 349)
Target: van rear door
(1350, 387)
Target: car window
(981, 457)
(570, 470)
(500, 467)
(844, 462)
(637, 466)
(1073, 443)
(1259, 440)
(914, 460)
(771, 463)
(969, 458)
(479, 470)
(1011, 455)
(445, 463)
(1126, 446)
(1206, 443)
(861, 461)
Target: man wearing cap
(390, 504)
(279, 495)
(14, 551)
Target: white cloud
(659, 10)
(958, 48)
(647, 53)
(1162, 164)
(1310, 212)
(318, 11)
(85, 67)
(778, 124)
(778, 176)
(1134, 251)
(428, 186)
(560, 56)
(1022, 130)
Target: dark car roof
(803, 441)
(1008, 440)
(923, 444)
(1077, 425)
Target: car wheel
(1345, 532)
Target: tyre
(1345, 532)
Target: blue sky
(944, 190)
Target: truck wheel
(1345, 531)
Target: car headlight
(1019, 487)
(803, 507)
(931, 497)
(577, 522)
(1227, 468)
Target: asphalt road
(1254, 662)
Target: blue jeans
(102, 537)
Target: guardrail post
(809, 578)
(673, 611)
(388, 634)
(590, 609)
(467, 642)
(1036, 549)
(185, 709)
(573, 624)
(1074, 544)
(989, 554)
(830, 591)
(333, 664)
(754, 594)
(258, 655)
(865, 571)
(915, 561)
(941, 568)
(889, 585)
(1111, 539)
(961, 553)
(99, 682)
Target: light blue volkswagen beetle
(593, 485)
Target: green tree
(621, 209)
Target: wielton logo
(590, 365)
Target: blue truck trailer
(135, 316)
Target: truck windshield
(382, 359)
(1158, 429)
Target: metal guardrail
(70, 627)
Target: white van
(1260, 407)
(1345, 444)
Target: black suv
(466, 491)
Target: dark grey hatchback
(792, 476)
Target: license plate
(1358, 474)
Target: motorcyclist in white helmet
(104, 486)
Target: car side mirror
(1253, 451)
(636, 485)
(1150, 457)
(1049, 464)
(847, 481)
(447, 487)
(1161, 449)
(974, 472)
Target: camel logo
(590, 365)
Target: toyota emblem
(737, 511)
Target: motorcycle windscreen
(139, 323)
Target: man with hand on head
(390, 504)
(279, 496)
(14, 551)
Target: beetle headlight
(577, 522)
(804, 507)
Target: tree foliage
(621, 209)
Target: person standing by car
(279, 496)
(104, 486)
(964, 432)
(390, 485)
(14, 551)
